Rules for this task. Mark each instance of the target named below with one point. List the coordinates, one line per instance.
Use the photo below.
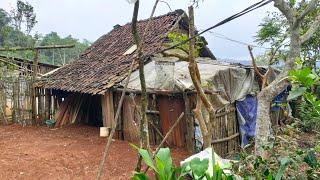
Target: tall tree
(144, 129)
(24, 13)
(295, 18)
(275, 31)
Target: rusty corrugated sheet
(170, 108)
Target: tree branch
(255, 67)
(311, 6)
(312, 29)
(284, 7)
(201, 97)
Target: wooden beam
(5, 61)
(37, 47)
(167, 92)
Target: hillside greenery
(17, 30)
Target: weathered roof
(103, 63)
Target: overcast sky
(89, 19)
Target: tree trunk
(265, 97)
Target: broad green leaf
(293, 94)
(147, 159)
(303, 76)
(164, 156)
(139, 176)
(199, 167)
(161, 169)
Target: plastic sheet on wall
(247, 115)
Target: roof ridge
(177, 12)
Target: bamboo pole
(37, 47)
(33, 93)
(114, 125)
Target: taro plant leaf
(139, 176)
(284, 162)
(296, 92)
(147, 159)
(199, 167)
(165, 157)
(217, 172)
(160, 166)
(182, 170)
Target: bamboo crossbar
(165, 92)
(37, 47)
(226, 112)
(225, 139)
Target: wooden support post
(190, 139)
(14, 103)
(18, 105)
(47, 104)
(107, 109)
(41, 105)
(33, 93)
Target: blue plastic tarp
(247, 115)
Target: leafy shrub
(308, 116)
(285, 159)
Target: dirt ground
(72, 152)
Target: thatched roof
(103, 63)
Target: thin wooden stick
(5, 61)
(107, 147)
(168, 134)
(165, 138)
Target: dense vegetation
(16, 30)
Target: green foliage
(12, 35)
(177, 38)
(303, 80)
(24, 13)
(61, 56)
(309, 116)
(274, 31)
(284, 161)
(270, 29)
(164, 169)
(199, 167)
(162, 165)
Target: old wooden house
(88, 90)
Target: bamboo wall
(16, 105)
(16, 95)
